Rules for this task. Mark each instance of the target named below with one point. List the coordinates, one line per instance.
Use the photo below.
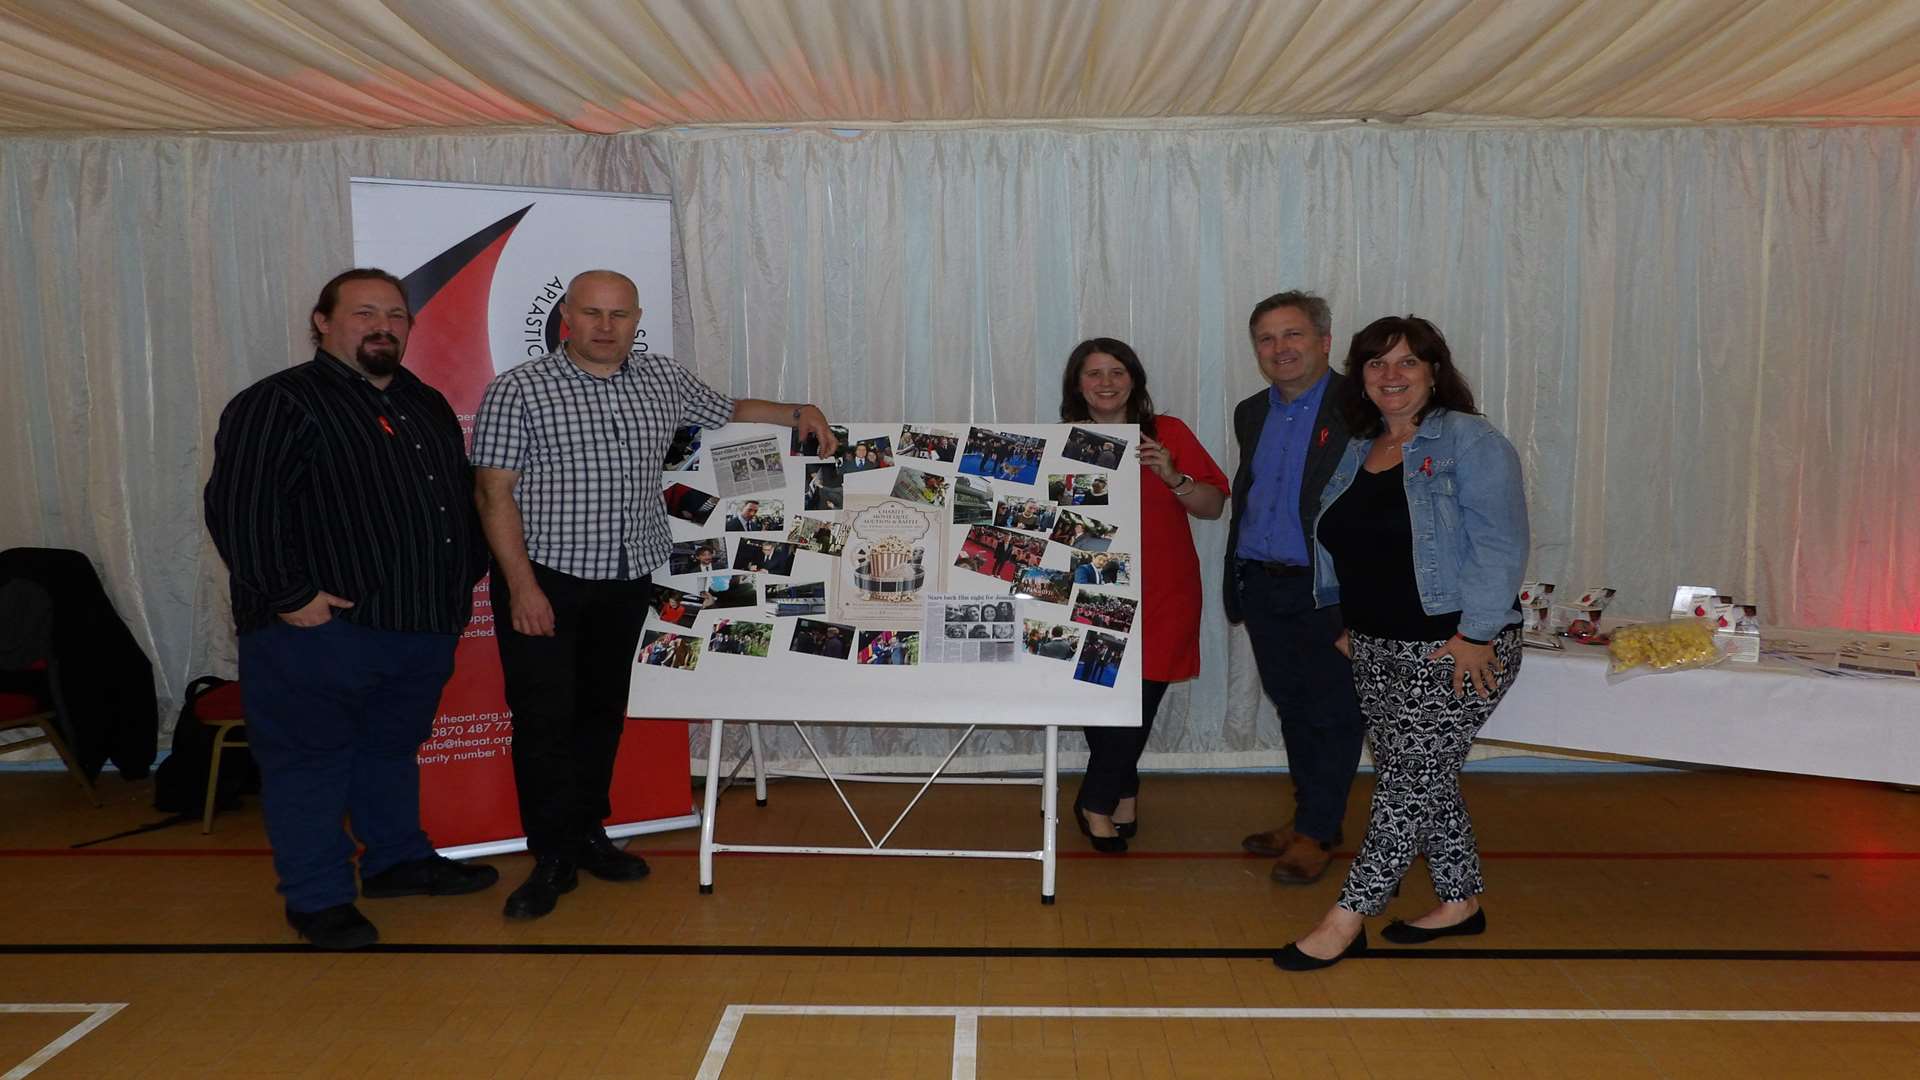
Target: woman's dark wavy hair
(1073, 404)
(1424, 340)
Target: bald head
(602, 313)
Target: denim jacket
(1468, 505)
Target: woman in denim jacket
(1421, 538)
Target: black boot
(552, 877)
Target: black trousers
(1113, 764)
(568, 694)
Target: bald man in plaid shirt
(567, 453)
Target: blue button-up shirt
(1273, 531)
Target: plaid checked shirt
(589, 453)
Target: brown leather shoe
(1304, 862)
(1272, 843)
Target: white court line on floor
(97, 1014)
(967, 1020)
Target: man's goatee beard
(378, 363)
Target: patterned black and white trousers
(1419, 733)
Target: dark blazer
(1249, 417)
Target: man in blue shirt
(1290, 437)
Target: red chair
(21, 710)
(220, 709)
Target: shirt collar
(341, 369)
(1311, 397)
(565, 357)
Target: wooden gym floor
(1690, 924)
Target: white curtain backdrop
(1700, 338)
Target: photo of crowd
(999, 553)
(1077, 489)
(816, 638)
(866, 454)
(1029, 515)
(925, 488)
(888, 647)
(676, 607)
(1040, 583)
(807, 599)
(756, 515)
(1100, 451)
(1109, 611)
(1051, 640)
(1001, 455)
(813, 534)
(1101, 567)
(729, 591)
(689, 504)
(972, 501)
(735, 638)
(659, 648)
(1083, 533)
(932, 444)
(810, 446)
(697, 556)
(765, 556)
(825, 489)
(1100, 659)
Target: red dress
(1169, 565)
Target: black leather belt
(1274, 569)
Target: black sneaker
(434, 875)
(339, 927)
(553, 877)
(601, 858)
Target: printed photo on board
(735, 638)
(765, 556)
(1083, 533)
(756, 515)
(814, 534)
(825, 490)
(1100, 451)
(1101, 567)
(658, 648)
(924, 488)
(810, 446)
(815, 638)
(1077, 489)
(809, 598)
(1051, 640)
(697, 556)
(867, 454)
(729, 591)
(932, 444)
(1027, 515)
(1040, 583)
(1100, 659)
(1001, 455)
(972, 501)
(999, 553)
(1109, 611)
(674, 606)
(892, 648)
(683, 454)
(689, 504)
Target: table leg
(759, 765)
(711, 805)
(1050, 816)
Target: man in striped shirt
(568, 451)
(339, 500)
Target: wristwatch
(796, 413)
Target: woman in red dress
(1105, 384)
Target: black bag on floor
(180, 783)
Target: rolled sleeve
(702, 405)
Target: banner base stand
(518, 844)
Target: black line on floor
(959, 952)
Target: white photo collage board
(924, 574)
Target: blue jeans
(1311, 685)
(335, 715)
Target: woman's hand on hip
(1470, 662)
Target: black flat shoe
(1127, 829)
(336, 929)
(1405, 934)
(1292, 959)
(431, 876)
(603, 859)
(552, 878)
(1111, 845)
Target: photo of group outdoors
(748, 468)
(866, 454)
(1109, 611)
(1029, 515)
(825, 490)
(1100, 451)
(891, 647)
(689, 504)
(756, 515)
(1040, 583)
(683, 453)
(807, 599)
(999, 553)
(736, 638)
(920, 487)
(931, 444)
(1101, 567)
(1100, 659)
(1084, 533)
(814, 534)
(765, 556)
(1051, 640)
(813, 637)
(972, 501)
(659, 648)
(969, 628)
(697, 556)
(1001, 455)
(729, 591)
(676, 607)
(810, 446)
(1077, 489)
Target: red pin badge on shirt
(1324, 432)
(386, 427)
(1426, 467)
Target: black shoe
(434, 875)
(601, 858)
(1292, 959)
(337, 928)
(1127, 829)
(1111, 845)
(1404, 934)
(553, 877)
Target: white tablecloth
(1766, 716)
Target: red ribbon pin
(1426, 467)
(386, 427)
(1324, 432)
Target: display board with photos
(926, 573)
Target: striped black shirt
(321, 481)
(589, 453)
